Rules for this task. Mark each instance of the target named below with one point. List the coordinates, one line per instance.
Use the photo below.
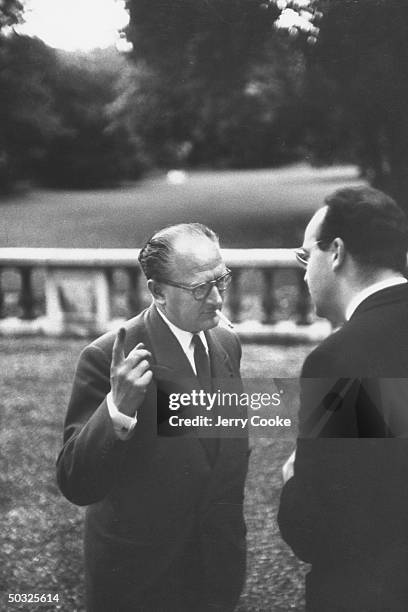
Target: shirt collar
(365, 293)
(184, 337)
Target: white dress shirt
(123, 425)
(184, 338)
(365, 293)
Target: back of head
(157, 255)
(373, 228)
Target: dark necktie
(202, 363)
(203, 369)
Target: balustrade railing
(87, 291)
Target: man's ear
(339, 253)
(156, 289)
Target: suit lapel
(166, 350)
(173, 372)
(221, 366)
(225, 379)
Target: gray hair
(155, 256)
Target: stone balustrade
(88, 291)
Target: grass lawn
(254, 208)
(40, 540)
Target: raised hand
(129, 375)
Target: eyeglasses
(203, 290)
(303, 256)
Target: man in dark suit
(344, 507)
(164, 524)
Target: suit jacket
(345, 511)
(149, 495)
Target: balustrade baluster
(303, 301)
(268, 297)
(133, 296)
(108, 272)
(109, 277)
(234, 295)
(27, 301)
(2, 297)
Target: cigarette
(224, 318)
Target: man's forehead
(312, 231)
(196, 254)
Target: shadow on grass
(41, 536)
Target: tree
(215, 79)
(358, 88)
(57, 122)
(10, 15)
(90, 149)
(28, 118)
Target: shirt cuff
(123, 425)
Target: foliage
(27, 111)
(10, 14)
(212, 83)
(218, 84)
(56, 116)
(90, 150)
(358, 88)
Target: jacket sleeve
(303, 503)
(232, 344)
(88, 462)
(299, 516)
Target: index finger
(118, 350)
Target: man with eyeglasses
(344, 507)
(164, 525)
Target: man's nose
(215, 297)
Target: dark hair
(155, 256)
(374, 229)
